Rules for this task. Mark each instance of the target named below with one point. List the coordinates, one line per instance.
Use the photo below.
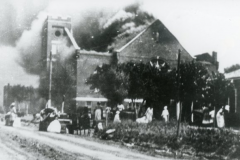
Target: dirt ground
(27, 143)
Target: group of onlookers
(146, 118)
(208, 117)
(221, 117)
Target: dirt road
(27, 143)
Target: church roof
(155, 40)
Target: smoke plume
(29, 46)
(99, 29)
(98, 26)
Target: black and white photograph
(119, 79)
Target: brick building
(154, 42)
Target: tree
(201, 87)
(152, 82)
(192, 86)
(218, 90)
(18, 94)
(156, 83)
(110, 82)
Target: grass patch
(194, 142)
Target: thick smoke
(100, 30)
(16, 16)
(99, 26)
(29, 46)
(116, 31)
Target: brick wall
(86, 64)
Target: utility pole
(53, 52)
(63, 101)
(50, 80)
(178, 91)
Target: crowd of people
(221, 117)
(147, 117)
(50, 117)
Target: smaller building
(234, 99)
(209, 61)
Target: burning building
(61, 54)
(154, 41)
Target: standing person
(11, 115)
(206, 116)
(97, 114)
(220, 118)
(226, 115)
(13, 112)
(13, 109)
(120, 108)
(117, 118)
(85, 120)
(165, 114)
(107, 111)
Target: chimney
(214, 57)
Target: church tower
(59, 50)
(53, 35)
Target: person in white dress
(15, 118)
(220, 118)
(117, 118)
(165, 114)
(54, 126)
(147, 118)
(13, 111)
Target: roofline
(202, 54)
(119, 50)
(72, 39)
(122, 48)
